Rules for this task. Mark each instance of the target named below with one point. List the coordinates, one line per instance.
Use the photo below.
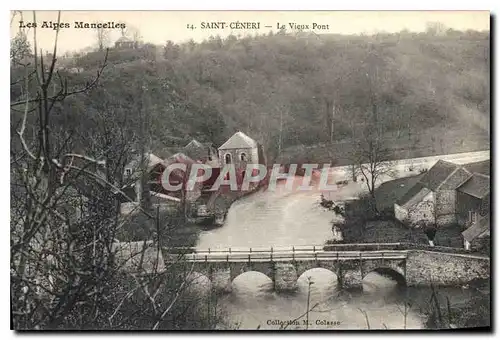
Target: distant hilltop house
(241, 150)
(451, 194)
(124, 43)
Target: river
(283, 218)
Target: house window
(128, 172)
(472, 217)
(228, 158)
(243, 157)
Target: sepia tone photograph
(250, 170)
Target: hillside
(299, 93)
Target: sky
(159, 26)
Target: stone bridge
(407, 264)
(285, 266)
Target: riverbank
(357, 224)
(472, 312)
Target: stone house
(473, 199)
(148, 163)
(240, 150)
(202, 152)
(473, 206)
(415, 205)
(433, 199)
(153, 167)
(451, 194)
(125, 43)
(477, 236)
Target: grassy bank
(169, 227)
(391, 231)
(471, 312)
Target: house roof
(194, 144)
(239, 141)
(482, 167)
(477, 229)
(478, 186)
(165, 152)
(445, 175)
(179, 158)
(149, 158)
(197, 150)
(414, 195)
(391, 192)
(123, 39)
(418, 197)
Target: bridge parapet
(285, 266)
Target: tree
(133, 33)
(67, 268)
(102, 37)
(20, 48)
(370, 153)
(370, 159)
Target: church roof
(239, 141)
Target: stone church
(241, 150)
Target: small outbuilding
(477, 236)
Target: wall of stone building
(464, 204)
(423, 211)
(425, 267)
(445, 207)
(400, 213)
(251, 156)
(485, 205)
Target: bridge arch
(198, 282)
(390, 272)
(252, 279)
(318, 276)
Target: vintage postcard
(239, 170)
